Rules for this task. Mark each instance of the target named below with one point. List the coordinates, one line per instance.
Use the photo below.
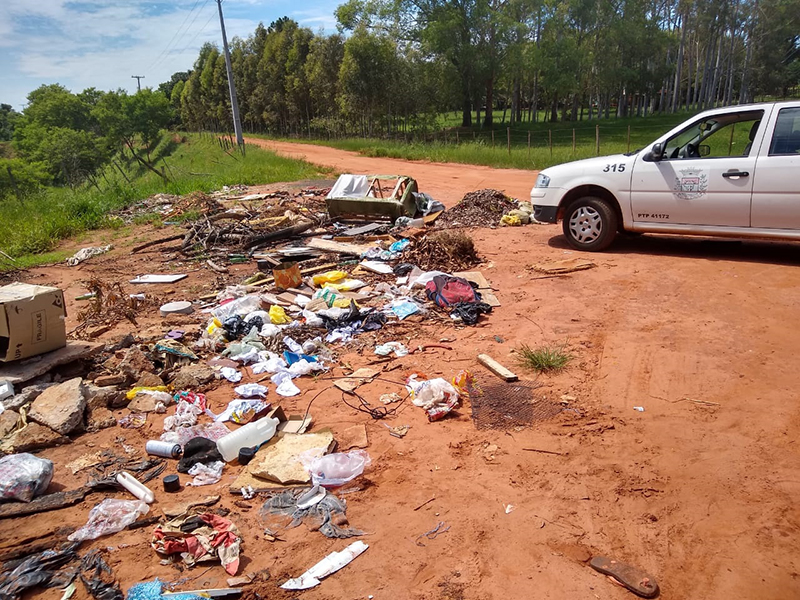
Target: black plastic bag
(470, 312)
(98, 577)
(198, 450)
(36, 570)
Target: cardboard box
(32, 321)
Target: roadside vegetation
(36, 222)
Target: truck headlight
(542, 181)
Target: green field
(550, 144)
(36, 224)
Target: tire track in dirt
(446, 182)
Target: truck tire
(590, 224)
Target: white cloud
(101, 43)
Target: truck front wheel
(590, 224)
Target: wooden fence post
(492, 138)
(597, 138)
(508, 135)
(629, 138)
(529, 144)
(550, 141)
(573, 141)
(457, 140)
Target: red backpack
(446, 290)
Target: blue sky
(101, 43)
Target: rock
(120, 343)
(100, 397)
(26, 396)
(149, 380)
(8, 422)
(60, 407)
(99, 418)
(135, 363)
(32, 437)
(193, 376)
(119, 401)
(107, 380)
(145, 403)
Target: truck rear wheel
(590, 224)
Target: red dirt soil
(702, 496)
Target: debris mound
(108, 305)
(444, 251)
(482, 208)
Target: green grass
(33, 227)
(475, 146)
(544, 359)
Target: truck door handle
(736, 174)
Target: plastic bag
(251, 390)
(346, 285)
(206, 474)
(510, 221)
(185, 416)
(389, 347)
(292, 345)
(337, 469)
(285, 385)
(278, 316)
(231, 374)
(151, 590)
(24, 476)
(328, 277)
(242, 411)
(269, 363)
(240, 306)
(269, 330)
(149, 390)
(404, 308)
(212, 431)
(437, 396)
(110, 516)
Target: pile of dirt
(444, 251)
(482, 208)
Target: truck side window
(715, 137)
(786, 139)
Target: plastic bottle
(135, 487)
(252, 434)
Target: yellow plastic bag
(213, 326)
(278, 316)
(132, 394)
(328, 277)
(510, 221)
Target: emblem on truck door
(691, 184)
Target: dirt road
(701, 489)
(443, 181)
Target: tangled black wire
(377, 412)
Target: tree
(8, 117)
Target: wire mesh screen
(509, 405)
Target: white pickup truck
(731, 171)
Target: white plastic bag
(337, 469)
(206, 474)
(286, 386)
(24, 476)
(110, 516)
(432, 392)
(251, 390)
(231, 374)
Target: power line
(187, 31)
(189, 45)
(174, 35)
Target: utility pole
(237, 124)
(138, 79)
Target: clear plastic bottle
(247, 436)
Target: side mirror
(654, 155)
(704, 149)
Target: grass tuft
(544, 359)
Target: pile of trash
(482, 208)
(268, 334)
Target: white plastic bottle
(247, 436)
